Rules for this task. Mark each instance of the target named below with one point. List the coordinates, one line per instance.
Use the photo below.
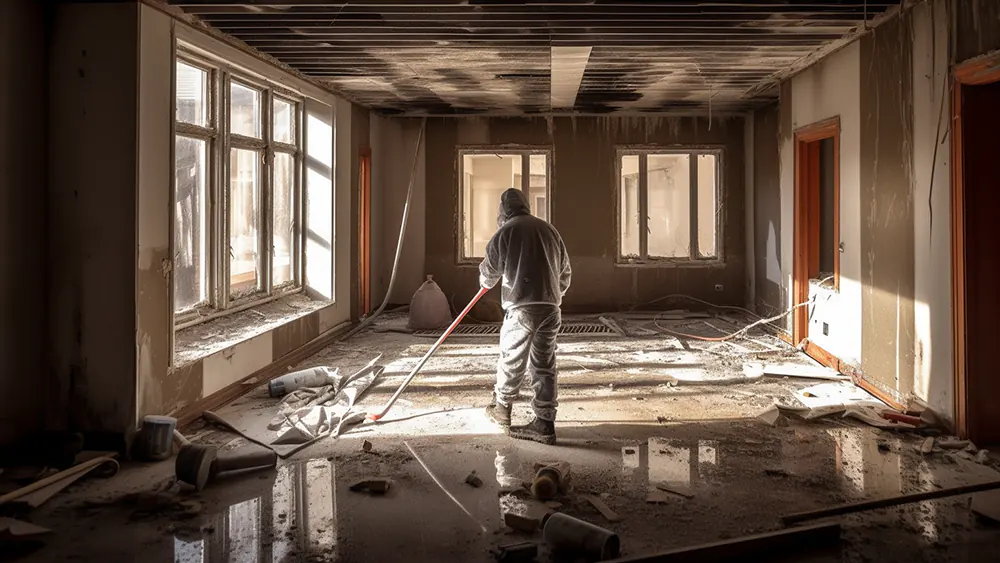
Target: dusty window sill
(204, 339)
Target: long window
(668, 205)
(485, 174)
(237, 190)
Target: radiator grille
(493, 329)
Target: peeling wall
(933, 348)
(392, 162)
(23, 379)
(92, 223)
(887, 228)
(769, 285)
(582, 203)
(977, 27)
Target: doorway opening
(817, 216)
(976, 262)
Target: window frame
(525, 152)
(693, 259)
(221, 142)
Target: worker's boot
(538, 430)
(498, 413)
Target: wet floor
(682, 464)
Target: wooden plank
(62, 475)
(958, 266)
(793, 543)
(864, 505)
(604, 509)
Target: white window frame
(693, 258)
(221, 300)
(525, 152)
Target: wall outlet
(826, 329)
(718, 287)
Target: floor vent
(494, 329)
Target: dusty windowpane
(283, 218)
(191, 103)
(244, 218)
(190, 216)
(538, 186)
(244, 111)
(669, 205)
(485, 178)
(629, 207)
(708, 206)
(284, 121)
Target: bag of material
(429, 308)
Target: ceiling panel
(491, 56)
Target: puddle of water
(679, 465)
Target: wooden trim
(958, 266)
(806, 215)
(857, 376)
(364, 230)
(980, 70)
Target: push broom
(420, 365)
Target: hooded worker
(529, 256)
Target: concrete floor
(633, 413)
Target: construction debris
(953, 444)
(987, 505)
(773, 417)
(366, 446)
(801, 541)
(12, 530)
(198, 464)
(565, 534)
(522, 552)
(371, 486)
(797, 371)
(474, 480)
(551, 478)
(928, 446)
(37, 493)
(983, 456)
(673, 491)
(520, 523)
(604, 509)
(861, 506)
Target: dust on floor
(633, 414)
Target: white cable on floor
(399, 244)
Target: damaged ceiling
(598, 56)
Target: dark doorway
(980, 187)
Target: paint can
(565, 534)
(312, 377)
(155, 439)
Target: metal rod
(429, 353)
(887, 502)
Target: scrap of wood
(760, 547)
(987, 505)
(805, 372)
(55, 478)
(14, 530)
(667, 489)
(41, 496)
(861, 506)
(604, 509)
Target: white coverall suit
(529, 255)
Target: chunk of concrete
(520, 523)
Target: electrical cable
(738, 333)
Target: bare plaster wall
(583, 204)
(23, 379)
(887, 220)
(933, 331)
(392, 161)
(91, 205)
(977, 27)
(829, 89)
(769, 286)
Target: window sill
(206, 338)
(668, 264)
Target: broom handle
(429, 353)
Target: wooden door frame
(364, 230)
(826, 129)
(975, 72)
